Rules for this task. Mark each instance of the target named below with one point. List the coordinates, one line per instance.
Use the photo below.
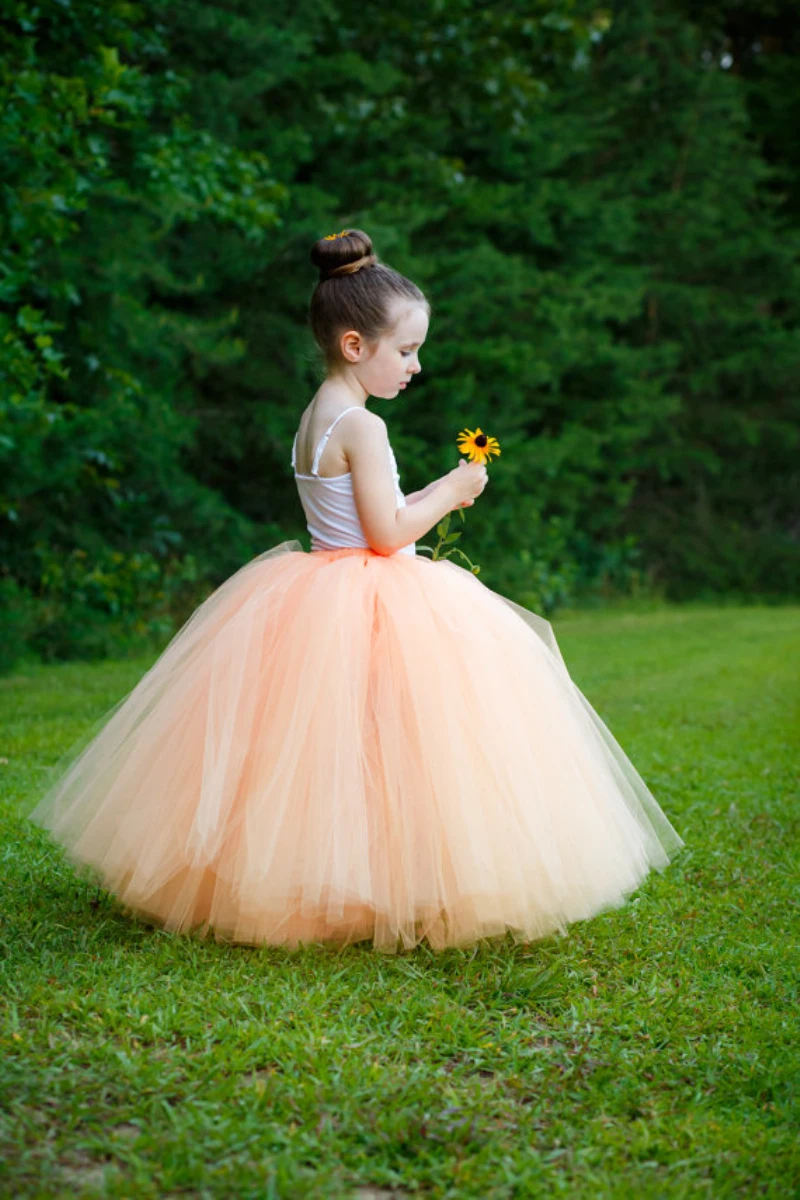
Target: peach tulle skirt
(338, 746)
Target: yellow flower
(478, 445)
(330, 237)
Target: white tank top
(328, 502)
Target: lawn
(650, 1052)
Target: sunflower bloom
(478, 445)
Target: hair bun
(342, 253)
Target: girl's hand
(467, 481)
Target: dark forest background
(601, 203)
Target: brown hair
(354, 291)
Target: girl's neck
(337, 388)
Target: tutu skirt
(339, 746)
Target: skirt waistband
(341, 551)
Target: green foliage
(106, 177)
(591, 274)
(603, 215)
(94, 606)
(720, 302)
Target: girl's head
(367, 319)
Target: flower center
(481, 439)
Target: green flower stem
(446, 538)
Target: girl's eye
(405, 353)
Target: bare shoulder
(368, 420)
(366, 430)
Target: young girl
(359, 742)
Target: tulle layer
(339, 746)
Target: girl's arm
(413, 497)
(388, 527)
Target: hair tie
(349, 268)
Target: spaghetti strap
(324, 439)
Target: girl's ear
(351, 343)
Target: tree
(103, 176)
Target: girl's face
(388, 368)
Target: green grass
(652, 1052)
